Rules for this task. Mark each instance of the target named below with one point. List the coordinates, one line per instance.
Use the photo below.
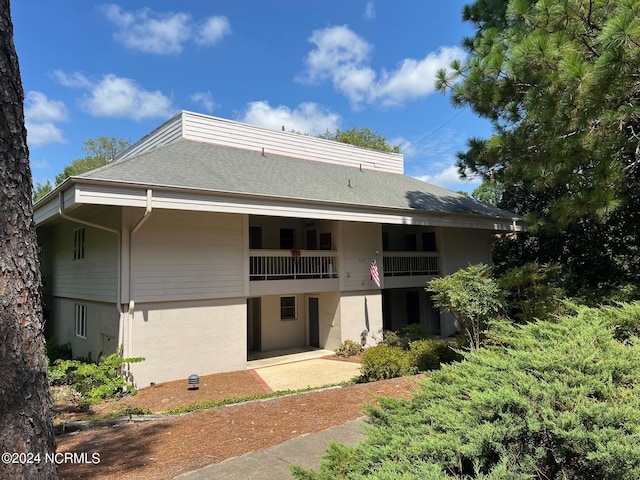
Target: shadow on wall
(367, 328)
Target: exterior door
(413, 308)
(314, 323)
(254, 332)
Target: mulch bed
(166, 447)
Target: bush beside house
(548, 399)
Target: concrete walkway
(307, 373)
(273, 463)
(300, 370)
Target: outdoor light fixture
(194, 381)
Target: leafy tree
(489, 192)
(99, 151)
(542, 402)
(40, 190)
(559, 83)
(472, 297)
(25, 403)
(361, 137)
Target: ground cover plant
(93, 381)
(544, 400)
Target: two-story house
(210, 239)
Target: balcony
(402, 264)
(292, 265)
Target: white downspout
(132, 302)
(119, 254)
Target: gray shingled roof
(196, 165)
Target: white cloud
(40, 164)
(39, 134)
(41, 115)
(343, 57)
(308, 118)
(147, 31)
(118, 97)
(212, 30)
(338, 49)
(407, 148)
(122, 97)
(204, 100)
(39, 108)
(370, 11)
(414, 78)
(72, 80)
(448, 178)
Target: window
(312, 239)
(410, 243)
(429, 242)
(255, 238)
(78, 244)
(385, 241)
(81, 320)
(287, 308)
(325, 241)
(287, 239)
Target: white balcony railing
(411, 263)
(291, 265)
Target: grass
(129, 411)
(198, 406)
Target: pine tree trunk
(25, 403)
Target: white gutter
(118, 235)
(132, 303)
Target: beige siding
(330, 324)
(360, 242)
(178, 339)
(360, 311)
(463, 246)
(207, 129)
(187, 255)
(277, 333)
(167, 133)
(92, 278)
(460, 248)
(102, 327)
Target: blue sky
(92, 69)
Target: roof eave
(202, 199)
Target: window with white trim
(81, 320)
(78, 244)
(287, 308)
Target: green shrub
(56, 351)
(546, 400)
(348, 348)
(427, 355)
(390, 338)
(415, 332)
(472, 296)
(382, 362)
(93, 381)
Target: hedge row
(382, 362)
